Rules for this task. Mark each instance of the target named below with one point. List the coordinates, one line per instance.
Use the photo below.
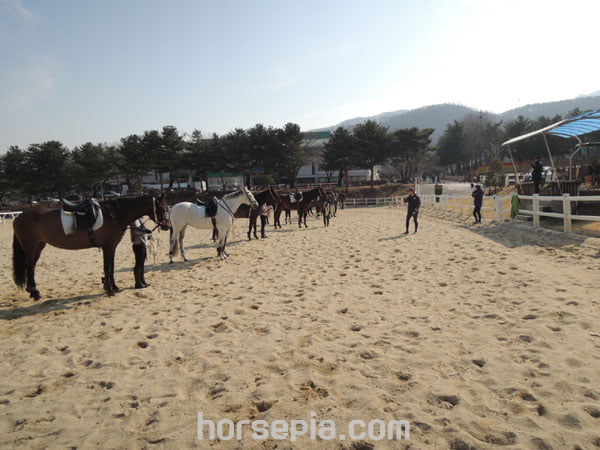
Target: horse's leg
(32, 257)
(224, 252)
(300, 212)
(253, 218)
(172, 244)
(181, 248)
(220, 251)
(108, 255)
(215, 234)
(113, 283)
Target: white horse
(186, 213)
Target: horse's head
(250, 197)
(160, 212)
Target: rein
(227, 208)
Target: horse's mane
(233, 194)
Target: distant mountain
(439, 116)
(551, 109)
(593, 94)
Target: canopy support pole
(554, 172)
(517, 182)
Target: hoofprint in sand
(479, 337)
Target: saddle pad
(68, 222)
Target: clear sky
(94, 71)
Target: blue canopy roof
(568, 128)
(583, 124)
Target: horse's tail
(19, 264)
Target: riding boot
(146, 284)
(137, 274)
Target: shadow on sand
(393, 238)
(516, 235)
(55, 304)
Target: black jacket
(477, 197)
(536, 172)
(413, 203)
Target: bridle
(155, 218)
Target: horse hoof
(35, 295)
(170, 262)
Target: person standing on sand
(414, 202)
(477, 202)
(139, 240)
(264, 217)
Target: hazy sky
(94, 71)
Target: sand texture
(482, 337)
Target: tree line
(261, 153)
(370, 144)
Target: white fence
(498, 207)
(567, 207)
(8, 215)
(360, 202)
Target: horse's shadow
(55, 304)
(168, 267)
(213, 245)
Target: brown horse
(268, 196)
(38, 226)
(314, 197)
(285, 206)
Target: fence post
(536, 210)
(498, 212)
(567, 213)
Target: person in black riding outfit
(536, 174)
(139, 240)
(477, 202)
(414, 202)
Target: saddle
(85, 213)
(84, 216)
(210, 206)
(296, 197)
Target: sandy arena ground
(481, 337)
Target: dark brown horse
(311, 198)
(41, 225)
(314, 197)
(268, 196)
